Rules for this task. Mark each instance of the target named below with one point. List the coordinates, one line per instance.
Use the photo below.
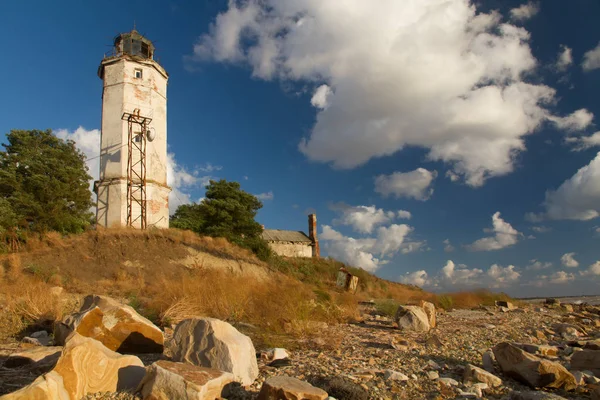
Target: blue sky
(480, 121)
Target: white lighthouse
(132, 189)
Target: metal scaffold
(136, 168)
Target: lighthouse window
(138, 73)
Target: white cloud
(321, 96)
(432, 73)
(265, 196)
(578, 198)
(367, 253)
(362, 218)
(181, 182)
(448, 248)
(414, 184)
(591, 59)
(565, 58)
(502, 276)
(584, 142)
(593, 269)
(525, 11)
(88, 142)
(561, 277)
(505, 236)
(418, 278)
(403, 214)
(456, 277)
(576, 121)
(541, 229)
(208, 167)
(568, 261)
(535, 265)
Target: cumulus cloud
(415, 184)
(578, 198)
(565, 58)
(536, 265)
(502, 276)
(448, 248)
(561, 277)
(182, 181)
(541, 229)
(265, 196)
(362, 218)
(368, 253)
(418, 278)
(208, 167)
(505, 236)
(403, 214)
(458, 276)
(593, 269)
(584, 142)
(525, 11)
(576, 121)
(321, 96)
(568, 260)
(591, 59)
(88, 142)
(436, 74)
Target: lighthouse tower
(132, 189)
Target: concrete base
(114, 192)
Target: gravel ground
(351, 359)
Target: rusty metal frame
(136, 170)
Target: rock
(595, 393)
(592, 345)
(49, 386)
(39, 334)
(119, 327)
(567, 307)
(504, 309)
(487, 359)
(535, 396)
(505, 304)
(56, 291)
(274, 354)
(544, 350)
(434, 341)
(392, 375)
(433, 375)
(478, 388)
(532, 370)
(586, 360)
(280, 363)
(85, 366)
(567, 329)
(39, 341)
(44, 357)
(288, 388)
(579, 377)
(340, 388)
(412, 318)
(429, 309)
(166, 380)
(476, 374)
(552, 302)
(448, 381)
(211, 343)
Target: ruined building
(132, 189)
(294, 243)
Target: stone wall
(289, 249)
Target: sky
(449, 144)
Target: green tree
(226, 211)
(43, 183)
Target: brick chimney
(312, 234)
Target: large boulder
(85, 366)
(429, 309)
(412, 318)
(532, 370)
(166, 380)
(119, 327)
(586, 360)
(40, 358)
(288, 388)
(211, 343)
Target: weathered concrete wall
(291, 249)
(123, 92)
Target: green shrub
(386, 307)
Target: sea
(592, 300)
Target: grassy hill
(169, 275)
